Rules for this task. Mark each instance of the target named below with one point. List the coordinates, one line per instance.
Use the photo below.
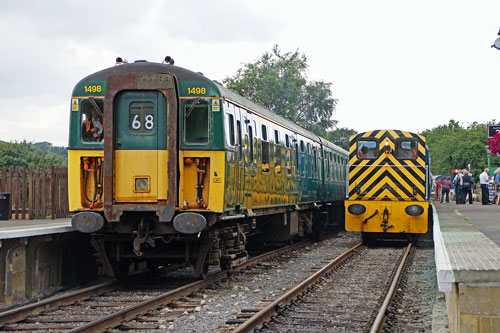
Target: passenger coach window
(240, 145)
(230, 120)
(250, 150)
(277, 152)
(92, 129)
(407, 150)
(367, 149)
(265, 150)
(196, 121)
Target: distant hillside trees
(25, 153)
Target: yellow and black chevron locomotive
(389, 184)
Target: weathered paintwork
(387, 183)
(301, 168)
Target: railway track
(108, 305)
(351, 294)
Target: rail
(379, 320)
(265, 314)
(114, 319)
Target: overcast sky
(410, 65)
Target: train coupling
(143, 237)
(385, 220)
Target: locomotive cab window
(196, 120)
(367, 149)
(92, 124)
(406, 149)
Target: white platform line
(444, 271)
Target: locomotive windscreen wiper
(96, 107)
(191, 107)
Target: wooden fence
(36, 193)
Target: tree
(31, 154)
(340, 136)
(452, 146)
(278, 81)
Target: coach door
(140, 166)
(239, 169)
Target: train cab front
(126, 193)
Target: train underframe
(140, 240)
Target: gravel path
(267, 281)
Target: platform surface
(29, 228)
(466, 240)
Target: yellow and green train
(389, 185)
(169, 167)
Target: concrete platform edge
(35, 231)
(444, 271)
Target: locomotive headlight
(414, 210)
(356, 209)
(141, 184)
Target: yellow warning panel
(74, 104)
(215, 105)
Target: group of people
(464, 185)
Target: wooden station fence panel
(36, 193)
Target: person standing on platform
(458, 187)
(438, 189)
(497, 188)
(483, 180)
(446, 186)
(467, 186)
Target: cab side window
(407, 149)
(91, 121)
(196, 119)
(367, 149)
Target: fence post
(11, 172)
(2, 180)
(53, 192)
(24, 193)
(16, 191)
(31, 202)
